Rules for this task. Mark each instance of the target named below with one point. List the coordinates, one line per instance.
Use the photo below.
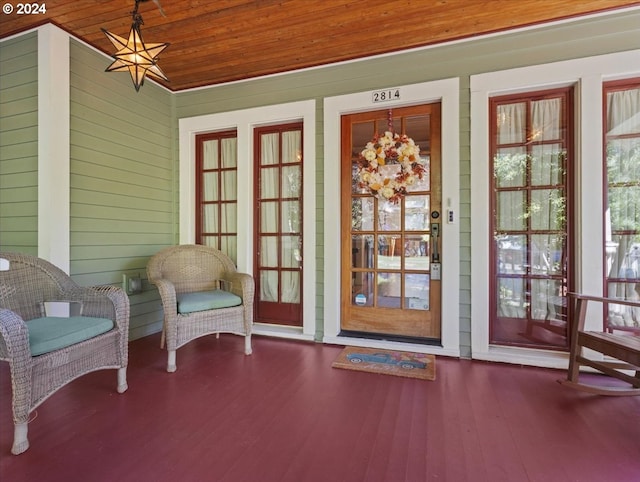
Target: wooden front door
(390, 252)
(278, 228)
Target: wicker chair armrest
(96, 300)
(120, 303)
(14, 338)
(242, 284)
(168, 296)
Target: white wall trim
(53, 146)
(587, 74)
(447, 92)
(244, 121)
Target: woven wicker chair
(26, 287)
(192, 270)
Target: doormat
(387, 362)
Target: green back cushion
(206, 300)
(52, 333)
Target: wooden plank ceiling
(213, 42)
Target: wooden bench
(622, 350)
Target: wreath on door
(389, 164)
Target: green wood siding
(123, 198)
(547, 44)
(19, 144)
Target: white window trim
(447, 92)
(588, 75)
(244, 122)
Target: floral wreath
(390, 149)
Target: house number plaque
(385, 95)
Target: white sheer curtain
(268, 217)
(210, 188)
(229, 188)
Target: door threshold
(392, 338)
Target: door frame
(446, 92)
(244, 121)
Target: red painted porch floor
(283, 414)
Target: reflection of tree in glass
(509, 167)
(623, 173)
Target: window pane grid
(529, 162)
(216, 191)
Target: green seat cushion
(206, 300)
(52, 333)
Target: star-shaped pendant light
(133, 55)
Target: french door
(532, 156)
(278, 226)
(390, 251)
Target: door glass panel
(210, 221)
(416, 216)
(511, 122)
(268, 251)
(547, 253)
(211, 241)
(290, 217)
(268, 285)
(547, 165)
(228, 244)
(291, 252)
(229, 153)
(291, 146)
(210, 188)
(511, 211)
(210, 154)
(547, 301)
(228, 218)
(512, 254)
(416, 252)
(290, 287)
(512, 302)
(362, 289)
(388, 216)
(229, 185)
(362, 251)
(389, 250)
(362, 214)
(269, 216)
(389, 286)
(547, 210)
(417, 291)
(510, 166)
(269, 185)
(291, 178)
(270, 149)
